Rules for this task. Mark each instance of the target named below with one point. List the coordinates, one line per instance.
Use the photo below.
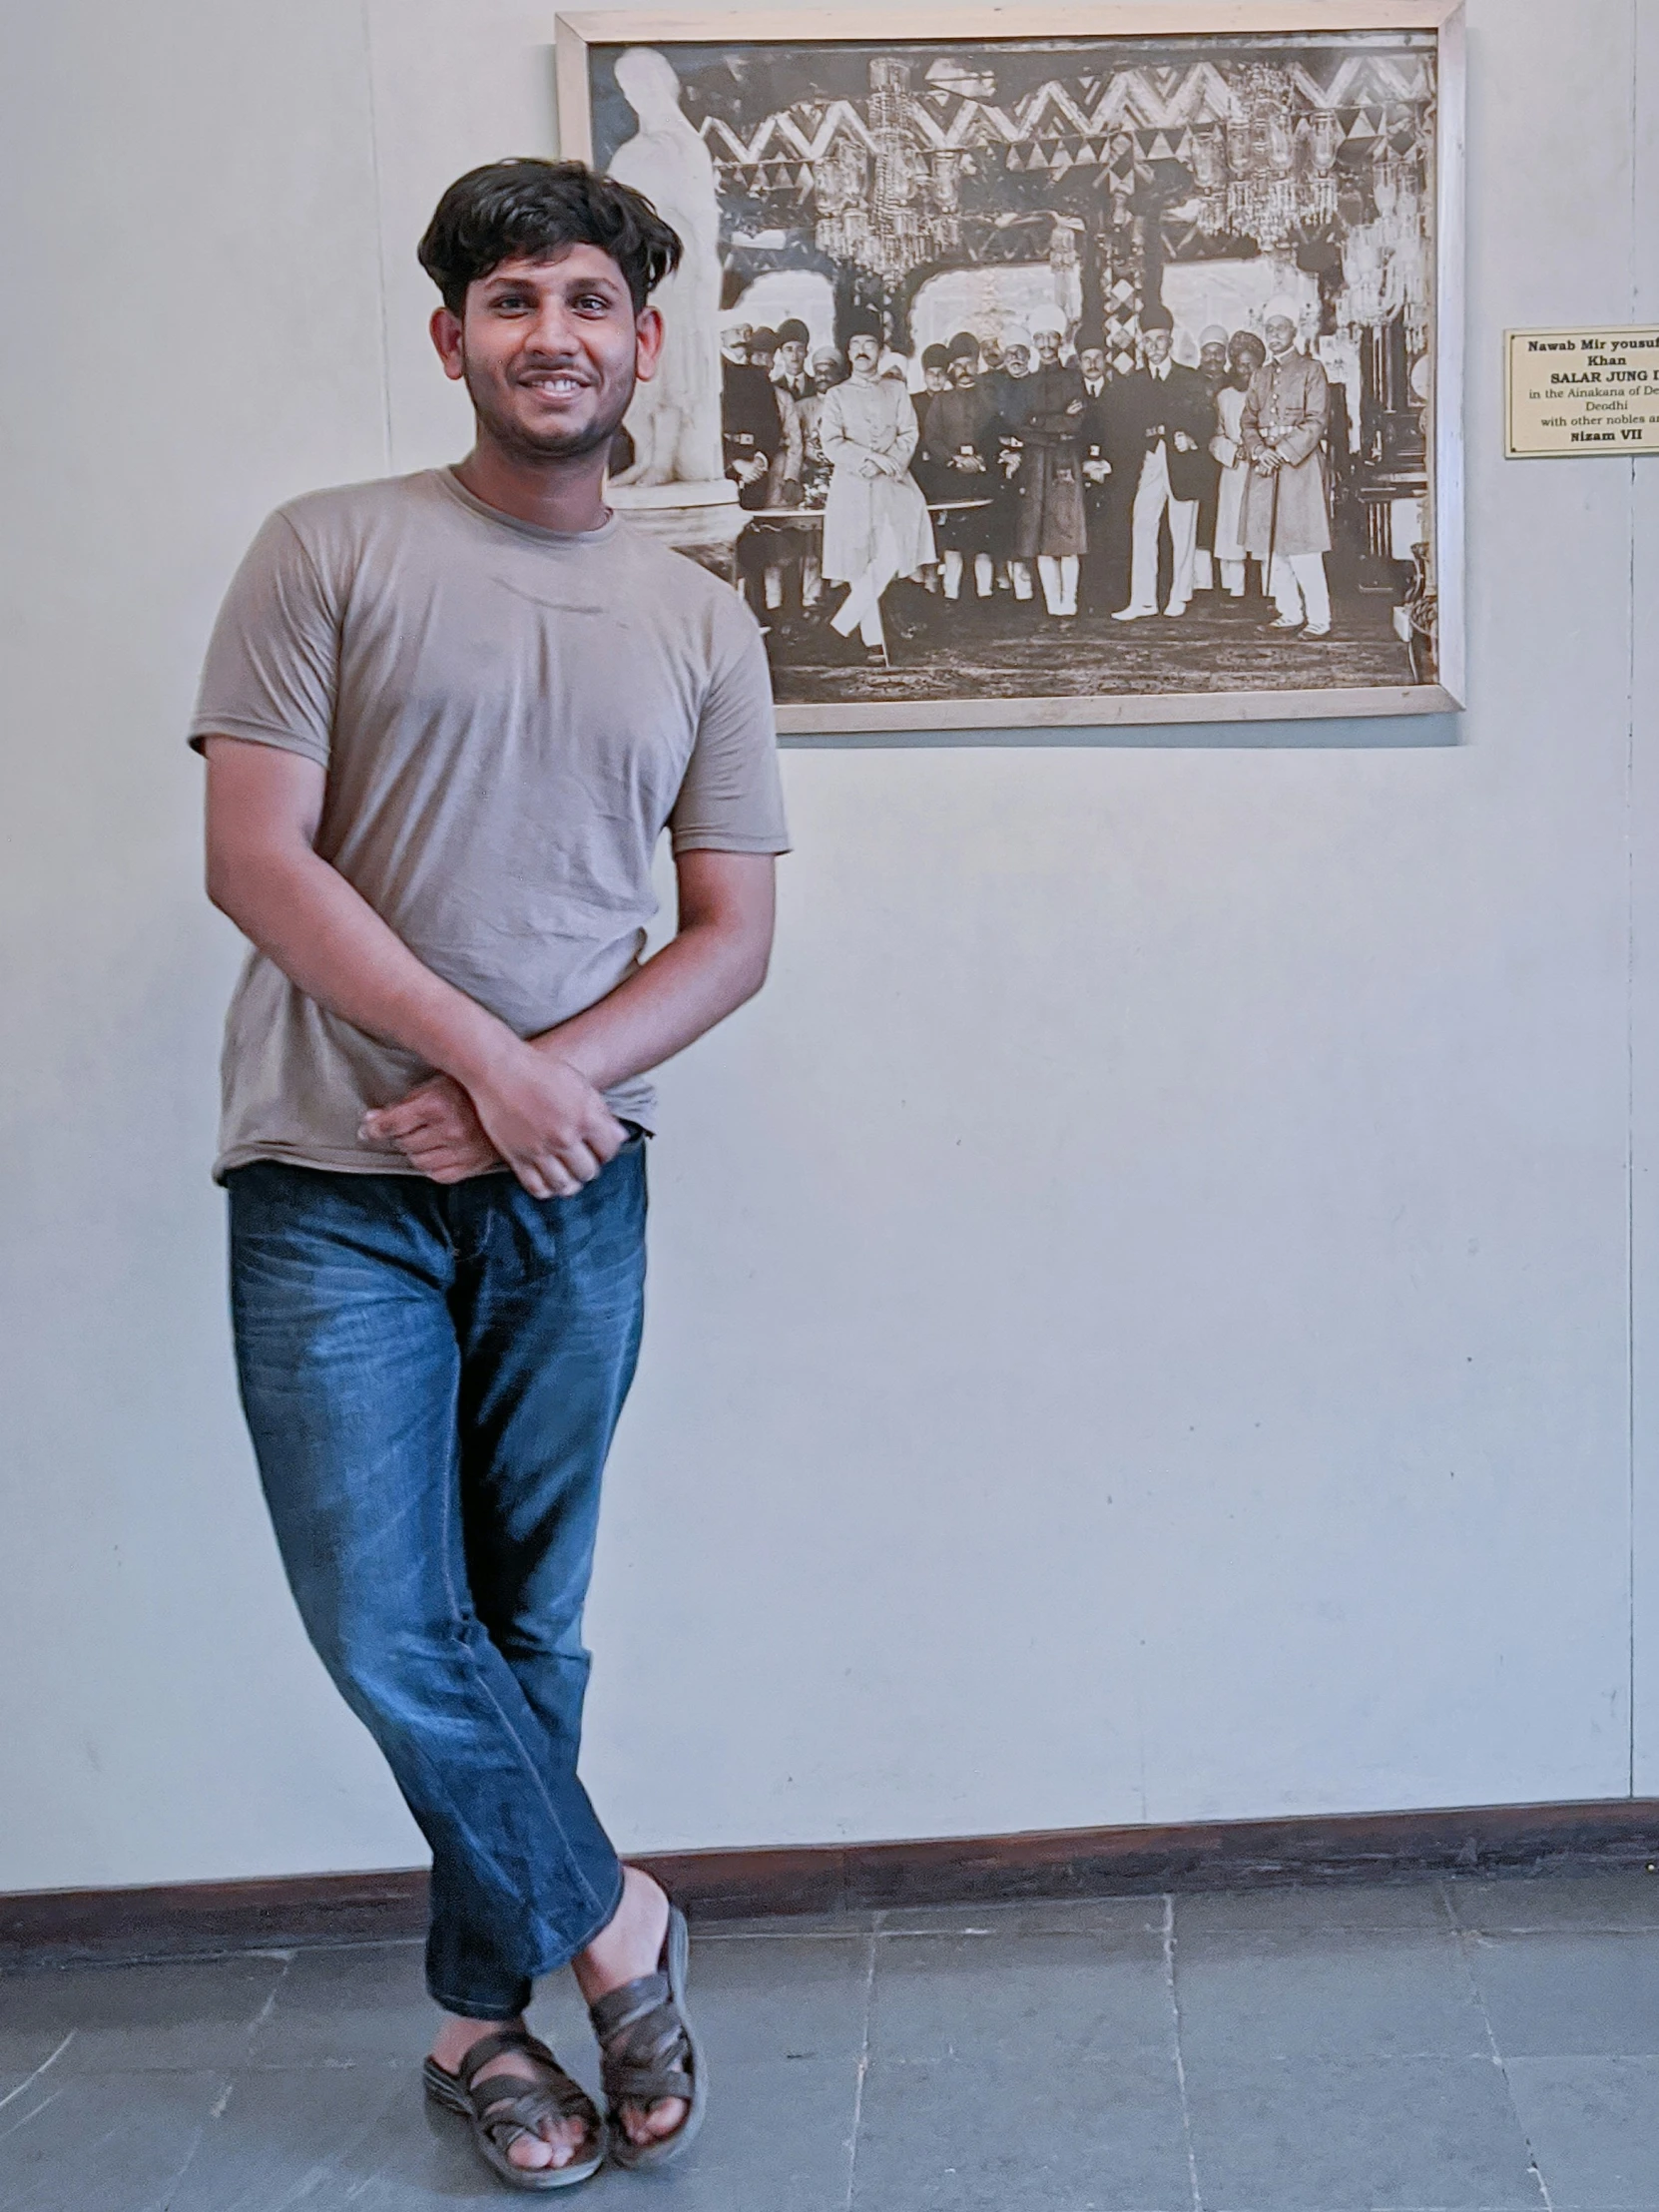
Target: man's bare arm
(716, 960)
(543, 1116)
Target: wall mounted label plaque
(1578, 393)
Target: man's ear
(446, 328)
(648, 344)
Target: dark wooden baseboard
(201, 1919)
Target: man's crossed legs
(432, 1375)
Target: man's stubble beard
(512, 437)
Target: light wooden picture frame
(935, 202)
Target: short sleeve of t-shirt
(273, 662)
(732, 798)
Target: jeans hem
(552, 1966)
(479, 2009)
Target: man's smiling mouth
(555, 384)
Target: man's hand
(436, 1128)
(537, 1113)
(1184, 443)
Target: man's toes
(533, 2152)
(555, 2145)
(655, 2121)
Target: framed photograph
(1070, 367)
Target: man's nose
(557, 331)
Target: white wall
(1141, 1313)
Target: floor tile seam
(42, 1964)
(861, 2071)
(1569, 1929)
(1328, 2055)
(1465, 1941)
(703, 1935)
(1177, 2053)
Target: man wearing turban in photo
(1246, 353)
(1048, 523)
(1287, 515)
(960, 438)
(1212, 370)
(936, 378)
(1169, 413)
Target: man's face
(827, 370)
(937, 379)
(961, 373)
(1158, 344)
(991, 353)
(1018, 359)
(550, 353)
(760, 357)
(1247, 355)
(1048, 347)
(791, 358)
(1094, 364)
(734, 343)
(1281, 334)
(1211, 362)
(862, 354)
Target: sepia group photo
(1054, 371)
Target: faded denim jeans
(432, 1375)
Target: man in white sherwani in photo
(1287, 519)
(875, 521)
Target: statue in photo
(675, 419)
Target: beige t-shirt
(509, 718)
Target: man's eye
(594, 302)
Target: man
(751, 420)
(829, 370)
(1245, 355)
(935, 377)
(1212, 371)
(1172, 418)
(767, 550)
(1286, 509)
(790, 371)
(829, 367)
(1104, 571)
(1006, 380)
(763, 346)
(1049, 526)
(961, 441)
(935, 371)
(875, 523)
(446, 717)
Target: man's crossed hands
(531, 1112)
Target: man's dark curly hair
(534, 210)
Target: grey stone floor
(1448, 2045)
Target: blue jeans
(432, 1375)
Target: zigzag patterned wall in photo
(1047, 368)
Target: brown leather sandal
(649, 2053)
(509, 2105)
